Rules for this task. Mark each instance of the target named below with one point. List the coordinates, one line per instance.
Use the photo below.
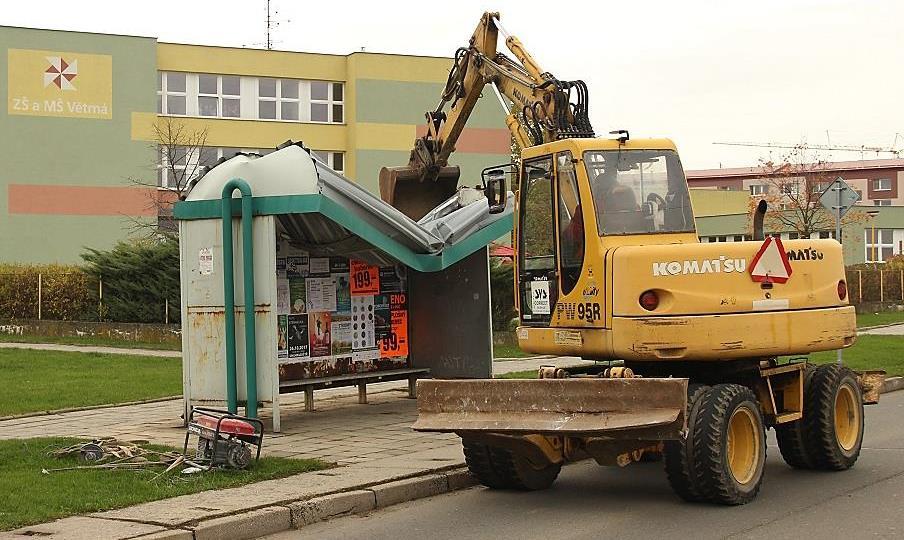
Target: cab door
(538, 279)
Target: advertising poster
(396, 342)
(363, 336)
(283, 299)
(297, 330)
(297, 294)
(343, 293)
(282, 336)
(281, 267)
(321, 294)
(382, 316)
(319, 332)
(391, 280)
(296, 266)
(319, 266)
(339, 265)
(365, 279)
(341, 334)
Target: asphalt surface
(890, 330)
(588, 501)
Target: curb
(892, 384)
(89, 408)
(295, 515)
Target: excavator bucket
(407, 188)
(632, 408)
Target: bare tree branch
(793, 185)
(179, 152)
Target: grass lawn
(870, 352)
(510, 351)
(96, 341)
(31, 497)
(49, 380)
(883, 317)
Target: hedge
(66, 292)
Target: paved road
(892, 330)
(594, 502)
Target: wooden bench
(361, 380)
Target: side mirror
(494, 190)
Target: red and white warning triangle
(771, 262)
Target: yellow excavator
(691, 339)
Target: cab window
(638, 191)
(571, 222)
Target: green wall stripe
(400, 102)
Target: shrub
(66, 292)
(502, 283)
(139, 278)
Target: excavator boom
(540, 109)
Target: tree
(791, 187)
(181, 153)
(140, 280)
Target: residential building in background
(83, 162)
(724, 198)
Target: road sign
(839, 197)
(771, 262)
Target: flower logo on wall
(60, 73)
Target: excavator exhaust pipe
(414, 191)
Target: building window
(882, 184)
(759, 189)
(818, 187)
(173, 163)
(739, 238)
(219, 95)
(327, 102)
(171, 93)
(789, 188)
(881, 202)
(879, 244)
(333, 160)
(793, 236)
(278, 99)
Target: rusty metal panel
(204, 370)
(653, 408)
(450, 319)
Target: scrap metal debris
(111, 454)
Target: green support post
(229, 297)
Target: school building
(81, 134)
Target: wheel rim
(847, 418)
(743, 445)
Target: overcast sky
(697, 72)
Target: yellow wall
(718, 202)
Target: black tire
(792, 440)
(499, 468)
(828, 449)
(679, 462)
(480, 463)
(713, 445)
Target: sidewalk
(89, 349)
(382, 462)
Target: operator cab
(579, 198)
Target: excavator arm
(539, 108)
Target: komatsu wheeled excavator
(692, 339)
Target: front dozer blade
(414, 192)
(593, 407)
